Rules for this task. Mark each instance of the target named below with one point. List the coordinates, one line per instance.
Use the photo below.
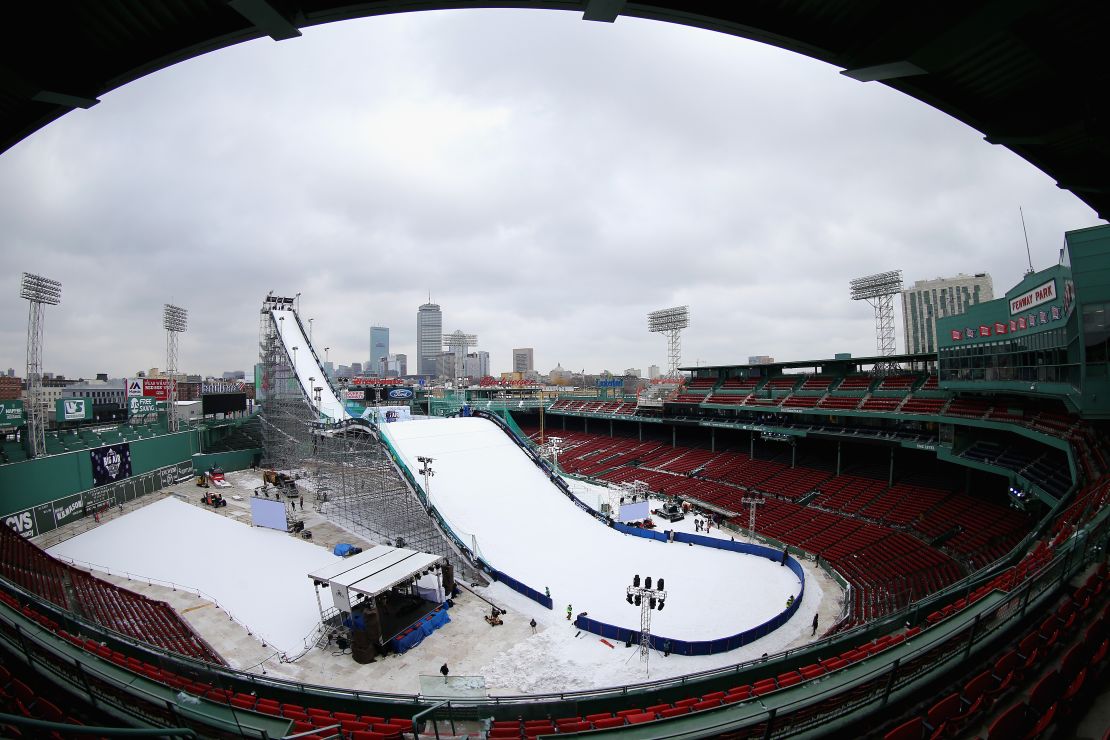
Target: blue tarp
(415, 634)
(343, 549)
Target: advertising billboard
(143, 405)
(11, 414)
(73, 409)
(157, 388)
(134, 387)
(399, 394)
(355, 395)
(110, 464)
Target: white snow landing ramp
(490, 493)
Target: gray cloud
(548, 180)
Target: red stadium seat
(911, 730)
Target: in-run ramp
(306, 364)
(493, 495)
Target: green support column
(586, 421)
(793, 455)
(838, 458)
(890, 478)
(751, 445)
(640, 429)
(564, 423)
(713, 440)
(674, 436)
(610, 427)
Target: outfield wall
(25, 485)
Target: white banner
(1035, 297)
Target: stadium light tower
(647, 598)
(175, 320)
(671, 322)
(459, 342)
(879, 290)
(39, 292)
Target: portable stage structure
(389, 598)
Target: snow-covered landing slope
(486, 487)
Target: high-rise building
(477, 365)
(397, 366)
(653, 372)
(429, 338)
(379, 350)
(523, 360)
(929, 300)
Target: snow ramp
(495, 498)
(306, 364)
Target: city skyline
(553, 215)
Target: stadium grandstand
(961, 501)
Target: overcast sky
(548, 180)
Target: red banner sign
(157, 388)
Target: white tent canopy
(373, 572)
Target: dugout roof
(1028, 74)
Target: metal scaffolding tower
(354, 479)
(175, 320)
(39, 292)
(287, 416)
(358, 485)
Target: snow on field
(257, 575)
(489, 491)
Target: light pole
(647, 598)
(751, 500)
(427, 472)
(556, 444)
(310, 329)
(39, 291)
(175, 321)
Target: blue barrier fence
(520, 588)
(703, 647)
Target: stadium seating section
(108, 605)
(877, 536)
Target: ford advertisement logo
(398, 393)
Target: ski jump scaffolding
(308, 431)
